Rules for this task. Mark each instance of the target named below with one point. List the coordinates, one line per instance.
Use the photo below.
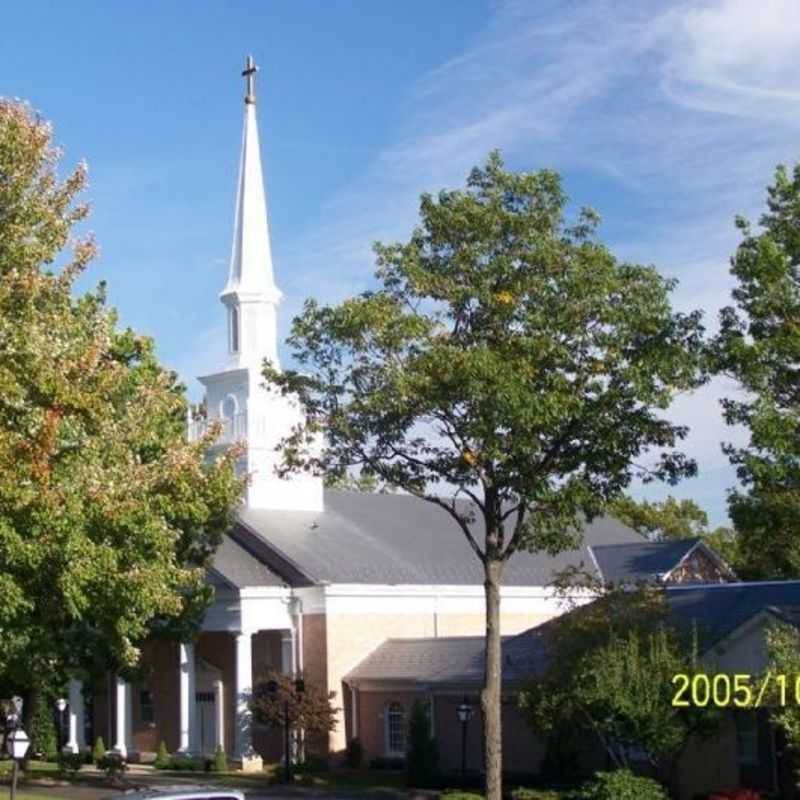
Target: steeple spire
(251, 295)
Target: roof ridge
(729, 585)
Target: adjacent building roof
(643, 561)
(425, 661)
(396, 539)
(718, 610)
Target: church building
(336, 584)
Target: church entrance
(206, 710)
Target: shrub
(384, 762)
(355, 753)
(99, 750)
(113, 764)
(71, 762)
(187, 764)
(43, 729)
(220, 760)
(162, 757)
(621, 785)
(535, 794)
(423, 753)
(458, 794)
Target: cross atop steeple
(249, 74)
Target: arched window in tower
(233, 322)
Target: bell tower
(236, 396)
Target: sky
(668, 118)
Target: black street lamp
(465, 712)
(299, 689)
(61, 704)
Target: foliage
(363, 482)
(70, 762)
(422, 758)
(182, 763)
(524, 793)
(354, 756)
(759, 347)
(113, 764)
(42, 730)
(220, 760)
(611, 665)
(622, 785)
(508, 356)
(310, 709)
(664, 520)
(107, 514)
(460, 794)
(783, 648)
(162, 760)
(99, 750)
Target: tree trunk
(491, 695)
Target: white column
(243, 748)
(287, 652)
(186, 697)
(219, 715)
(75, 743)
(121, 693)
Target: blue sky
(668, 118)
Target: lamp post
(299, 689)
(61, 704)
(17, 743)
(465, 712)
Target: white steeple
(250, 295)
(237, 397)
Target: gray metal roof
(238, 567)
(395, 539)
(641, 561)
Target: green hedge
(621, 785)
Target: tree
(107, 515)
(275, 695)
(759, 347)
(422, 760)
(507, 357)
(664, 520)
(610, 669)
(783, 649)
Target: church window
(146, 706)
(395, 729)
(233, 317)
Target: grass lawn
(374, 780)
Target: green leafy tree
(506, 357)
(107, 515)
(662, 520)
(783, 648)
(422, 759)
(759, 346)
(42, 728)
(611, 666)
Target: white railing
(234, 429)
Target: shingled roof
(395, 539)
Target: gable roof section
(395, 539)
(239, 568)
(640, 561)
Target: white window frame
(389, 710)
